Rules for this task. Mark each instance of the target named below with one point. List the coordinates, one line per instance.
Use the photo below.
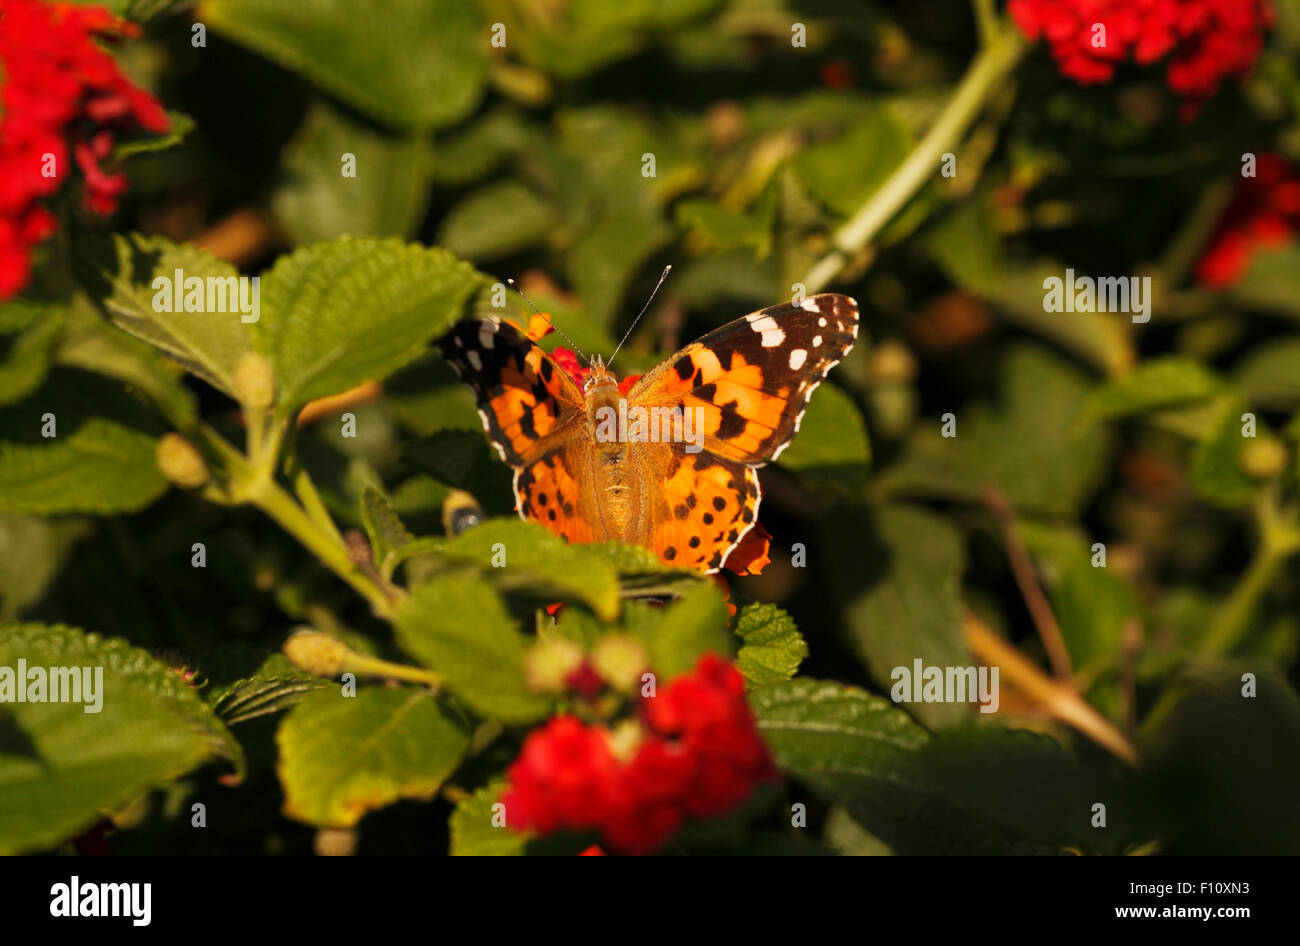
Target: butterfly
(672, 464)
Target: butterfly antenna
(548, 319)
(662, 277)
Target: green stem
(279, 505)
(255, 483)
(374, 667)
(992, 64)
(314, 506)
(1279, 539)
(986, 19)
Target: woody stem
(991, 65)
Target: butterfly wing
(749, 383)
(525, 400)
(531, 410)
(705, 507)
(750, 380)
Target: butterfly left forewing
(525, 400)
(750, 381)
(533, 414)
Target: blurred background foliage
(1073, 428)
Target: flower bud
(619, 659)
(1263, 457)
(253, 382)
(316, 653)
(180, 462)
(548, 664)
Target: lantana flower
(61, 95)
(1206, 41)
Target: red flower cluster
(59, 90)
(1264, 213)
(699, 755)
(1206, 40)
(569, 363)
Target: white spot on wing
(485, 338)
(765, 324)
(475, 361)
(817, 342)
(797, 358)
(809, 305)
(772, 337)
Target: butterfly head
(600, 377)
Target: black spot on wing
(732, 424)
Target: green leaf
(32, 551)
(261, 696)
(897, 572)
(967, 246)
(386, 532)
(1270, 282)
(849, 838)
(966, 791)
(771, 646)
(1231, 755)
(499, 219)
(352, 310)
(341, 757)
(832, 444)
(61, 767)
(100, 461)
(1092, 604)
(678, 634)
(845, 172)
(386, 197)
(1032, 446)
(1270, 374)
(273, 684)
(642, 572)
(456, 625)
(1216, 470)
(92, 344)
(580, 37)
(119, 271)
(720, 228)
(473, 833)
(520, 555)
(413, 63)
(614, 209)
(470, 154)
(1171, 381)
(26, 358)
(853, 745)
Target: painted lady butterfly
(729, 403)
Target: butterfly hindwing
(556, 491)
(706, 506)
(751, 379)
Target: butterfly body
(672, 463)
